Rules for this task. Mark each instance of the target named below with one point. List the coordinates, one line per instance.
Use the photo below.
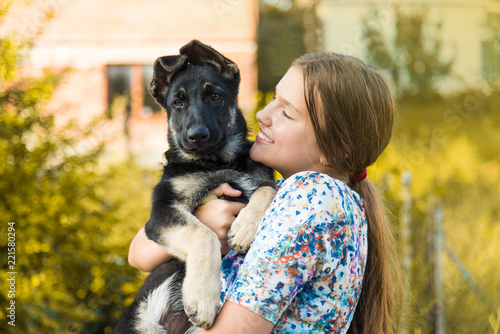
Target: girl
(320, 261)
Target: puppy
(208, 146)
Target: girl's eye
(215, 96)
(178, 102)
(285, 114)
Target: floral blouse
(305, 266)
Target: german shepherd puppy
(208, 146)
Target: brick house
(111, 46)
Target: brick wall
(89, 35)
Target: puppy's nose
(198, 135)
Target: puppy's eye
(215, 96)
(178, 102)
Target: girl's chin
(253, 153)
(256, 153)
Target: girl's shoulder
(314, 188)
(314, 182)
(305, 179)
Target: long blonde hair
(352, 110)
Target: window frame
(135, 108)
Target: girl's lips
(263, 139)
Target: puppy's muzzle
(200, 140)
(198, 136)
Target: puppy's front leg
(199, 248)
(245, 226)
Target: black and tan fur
(207, 136)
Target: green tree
(491, 48)
(412, 56)
(287, 29)
(280, 39)
(73, 217)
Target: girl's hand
(145, 254)
(219, 214)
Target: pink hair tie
(359, 177)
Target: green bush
(74, 216)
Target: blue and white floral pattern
(305, 266)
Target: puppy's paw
(242, 231)
(201, 301)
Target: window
(490, 49)
(118, 88)
(150, 106)
(490, 61)
(128, 89)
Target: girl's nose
(263, 116)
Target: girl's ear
(323, 160)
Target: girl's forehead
(290, 89)
(293, 75)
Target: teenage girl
(321, 260)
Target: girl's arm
(234, 318)
(218, 215)
(145, 254)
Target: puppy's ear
(201, 54)
(164, 69)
